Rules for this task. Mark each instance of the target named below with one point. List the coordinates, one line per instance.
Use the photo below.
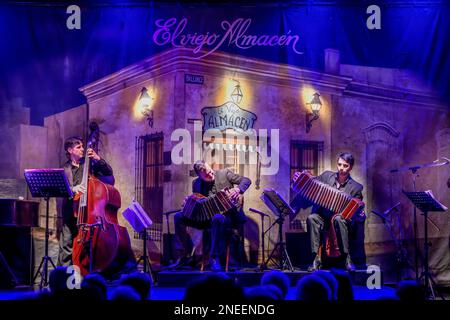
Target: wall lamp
(315, 106)
(237, 94)
(145, 102)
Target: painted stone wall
(24, 147)
(382, 131)
(384, 134)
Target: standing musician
(73, 168)
(342, 181)
(208, 183)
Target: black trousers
(345, 230)
(68, 233)
(220, 226)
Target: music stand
(140, 222)
(279, 207)
(425, 202)
(47, 183)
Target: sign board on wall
(228, 116)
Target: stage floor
(171, 285)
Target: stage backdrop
(381, 72)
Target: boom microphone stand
(402, 260)
(263, 266)
(414, 170)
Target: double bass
(102, 245)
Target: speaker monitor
(16, 246)
(7, 278)
(298, 246)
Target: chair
(235, 244)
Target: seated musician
(208, 183)
(73, 168)
(342, 181)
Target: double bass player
(73, 168)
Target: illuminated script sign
(235, 33)
(228, 116)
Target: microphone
(391, 209)
(171, 212)
(259, 212)
(383, 215)
(379, 215)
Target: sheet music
(430, 193)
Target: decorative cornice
(182, 59)
(380, 131)
(217, 63)
(391, 94)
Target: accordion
(199, 208)
(326, 196)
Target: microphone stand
(402, 260)
(414, 170)
(263, 265)
(416, 247)
(169, 236)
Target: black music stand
(141, 222)
(279, 207)
(145, 258)
(47, 183)
(425, 202)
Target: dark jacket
(350, 187)
(101, 169)
(224, 178)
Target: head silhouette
(214, 288)
(278, 279)
(313, 288)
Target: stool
(235, 235)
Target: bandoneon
(326, 196)
(199, 208)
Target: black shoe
(214, 265)
(349, 266)
(316, 265)
(182, 262)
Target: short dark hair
(347, 157)
(199, 165)
(70, 143)
(141, 282)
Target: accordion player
(199, 208)
(323, 192)
(324, 195)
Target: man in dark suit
(73, 168)
(342, 181)
(208, 183)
